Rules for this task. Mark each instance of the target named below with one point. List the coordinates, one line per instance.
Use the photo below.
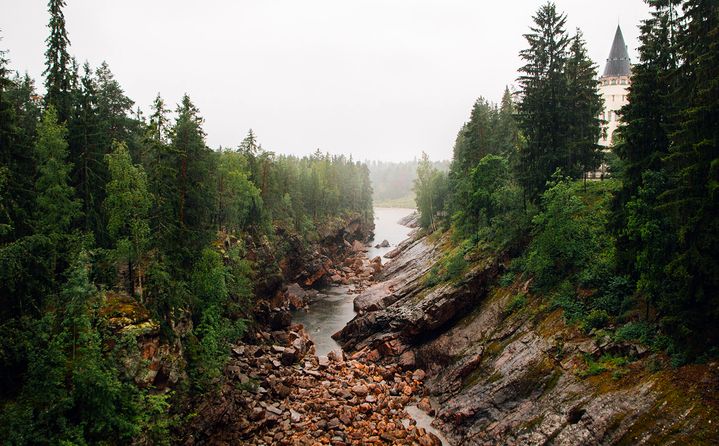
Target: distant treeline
(393, 182)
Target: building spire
(618, 63)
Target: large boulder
(358, 246)
(296, 296)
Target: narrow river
(333, 307)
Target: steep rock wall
(499, 374)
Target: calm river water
(333, 308)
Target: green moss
(141, 329)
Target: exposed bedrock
(500, 375)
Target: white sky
(378, 79)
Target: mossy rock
(144, 328)
(121, 305)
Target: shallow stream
(330, 311)
(333, 307)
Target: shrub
(563, 237)
(507, 279)
(517, 303)
(596, 319)
(565, 298)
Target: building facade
(613, 86)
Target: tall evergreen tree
(584, 104)
(507, 138)
(644, 135)
(159, 122)
(58, 76)
(542, 111)
(8, 133)
(86, 151)
(192, 162)
(692, 199)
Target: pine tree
(58, 77)
(542, 113)
(127, 205)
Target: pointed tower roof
(618, 62)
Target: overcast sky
(380, 79)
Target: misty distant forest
(393, 182)
(149, 283)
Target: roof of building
(618, 62)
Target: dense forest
(103, 207)
(634, 257)
(118, 226)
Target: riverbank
(278, 390)
(505, 367)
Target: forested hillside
(633, 257)
(117, 225)
(546, 308)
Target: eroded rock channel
(451, 354)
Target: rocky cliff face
(503, 373)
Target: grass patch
(615, 364)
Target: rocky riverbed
(279, 392)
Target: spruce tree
(192, 163)
(644, 137)
(58, 76)
(542, 111)
(692, 199)
(8, 131)
(57, 206)
(86, 151)
(507, 138)
(584, 104)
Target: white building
(613, 86)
